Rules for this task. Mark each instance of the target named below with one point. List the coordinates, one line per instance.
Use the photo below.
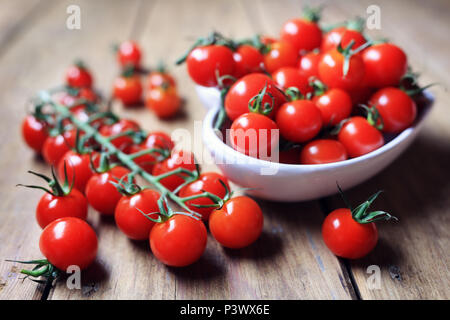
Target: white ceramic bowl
(300, 182)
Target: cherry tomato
(34, 132)
(347, 238)
(209, 182)
(309, 64)
(239, 95)
(77, 165)
(302, 34)
(331, 70)
(254, 135)
(101, 194)
(397, 109)
(69, 241)
(206, 62)
(238, 223)
(52, 207)
(157, 79)
(281, 54)
(267, 39)
(55, 147)
(180, 159)
(159, 140)
(385, 65)
(179, 241)
(291, 77)
(123, 125)
(130, 220)
(299, 120)
(78, 76)
(335, 105)
(359, 137)
(343, 36)
(247, 59)
(129, 54)
(165, 102)
(323, 151)
(128, 90)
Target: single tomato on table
(128, 89)
(78, 76)
(165, 102)
(129, 54)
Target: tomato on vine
(78, 76)
(181, 160)
(34, 132)
(280, 54)
(160, 78)
(129, 54)
(164, 102)
(323, 151)
(56, 146)
(78, 168)
(118, 133)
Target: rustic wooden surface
(290, 260)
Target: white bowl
(296, 182)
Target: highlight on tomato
(181, 161)
(247, 59)
(344, 34)
(322, 151)
(280, 54)
(129, 54)
(34, 132)
(78, 168)
(56, 146)
(164, 102)
(288, 77)
(128, 88)
(78, 76)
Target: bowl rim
(212, 113)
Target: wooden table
(290, 261)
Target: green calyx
(126, 186)
(43, 268)
(256, 104)
(356, 24)
(318, 86)
(348, 52)
(312, 14)
(373, 116)
(292, 93)
(80, 64)
(255, 42)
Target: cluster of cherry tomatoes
(159, 89)
(91, 164)
(332, 94)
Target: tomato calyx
(292, 93)
(356, 24)
(312, 14)
(43, 268)
(126, 186)
(218, 201)
(319, 88)
(255, 42)
(373, 116)
(348, 52)
(256, 104)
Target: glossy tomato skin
(385, 64)
(179, 159)
(341, 35)
(158, 139)
(55, 147)
(302, 34)
(247, 59)
(179, 241)
(238, 223)
(204, 62)
(239, 95)
(359, 137)
(129, 54)
(331, 72)
(51, 208)
(397, 110)
(323, 151)
(281, 54)
(157, 79)
(209, 182)
(130, 220)
(69, 241)
(309, 64)
(335, 105)
(34, 132)
(101, 194)
(299, 120)
(165, 103)
(347, 238)
(122, 125)
(155, 140)
(128, 90)
(254, 134)
(78, 77)
(146, 161)
(78, 166)
(291, 77)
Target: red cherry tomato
(145, 161)
(206, 62)
(159, 140)
(254, 135)
(165, 102)
(128, 90)
(78, 77)
(397, 109)
(179, 241)
(238, 223)
(281, 54)
(130, 220)
(385, 65)
(129, 54)
(209, 182)
(52, 207)
(247, 59)
(157, 79)
(323, 151)
(239, 95)
(34, 132)
(302, 34)
(299, 120)
(69, 241)
(359, 137)
(335, 105)
(347, 238)
(123, 125)
(309, 64)
(343, 36)
(55, 147)
(291, 77)
(180, 159)
(77, 165)
(101, 194)
(331, 70)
